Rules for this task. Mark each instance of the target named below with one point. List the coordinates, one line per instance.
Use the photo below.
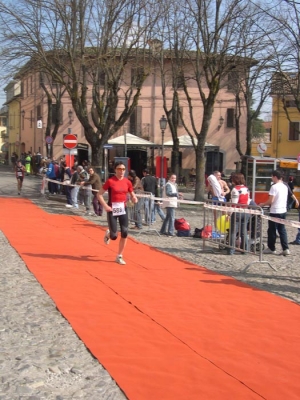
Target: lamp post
(221, 122)
(163, 124)
(70, 115)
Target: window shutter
(136, 121)
(38, 112)
(230, 118)
(294, 131)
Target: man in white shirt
(278, 207)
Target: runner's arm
(100, 197)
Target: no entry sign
(70, 141)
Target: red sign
(70, 141)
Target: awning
(186, 141)
(131, 140)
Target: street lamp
(70, 115)
(163, 124)
(221, 122)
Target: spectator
(290, 200)
(67, 180)
(137, 186)
(95, 182)
(52, 186)
(149, 185)
(86, 188)
(28, 163)
(172, 194)
(74, 189)
(278, 207)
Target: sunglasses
(122, 169)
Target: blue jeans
(74, 195)
(238, 224)
(272, 227)
(148, 204)
(168, 223)
(157, 208)
(298, 236)
(137, 217)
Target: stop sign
(70, 141)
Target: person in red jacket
(118, 186)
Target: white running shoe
(106, 237)
(120, 260)
(269, 251)
(69, 205)
(285, 252)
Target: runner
(20, 172)
(118, 187)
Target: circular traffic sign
(262, 148)
(49, 139)
(70, 141)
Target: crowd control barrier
(234, 229)
(142, 213)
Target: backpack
(181, 225)
(207, 232)
(197, 233)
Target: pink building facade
(143, 123)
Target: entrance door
(138, 160)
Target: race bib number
(118, 209)
(20, 174)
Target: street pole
(163, 124)
(162, 163)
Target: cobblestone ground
(42, 358)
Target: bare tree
(253, 84)
(285, 15)
(85, 46)
(214, 51)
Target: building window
(294, 131)
(57, 114)
(290, 103)
(31, 84)
(232, 81)
(137, 76)
(102, 79)
(31, 118)
(38, 112)
(136, 121)
(230, 120)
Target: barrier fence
(142, 213)
(225, 225)
(234, 229)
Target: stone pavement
(42, 358)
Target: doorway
(138, 161)
(214, 162)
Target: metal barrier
(233, 228)
(142, 213)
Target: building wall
(282, 146)
(151, 103)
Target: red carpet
(163, 328)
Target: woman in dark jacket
(137, 186)
(94, 180)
